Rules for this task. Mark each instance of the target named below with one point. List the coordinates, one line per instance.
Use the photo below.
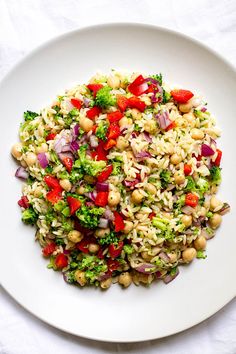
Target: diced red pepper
(94, 88)
(118, 222)
(191, 200)
(101, 199)
(49, 249)
(68, 163)
(135, 102)
(93, 112)
(181, 96)
(52, 182)
(61, 261)
(151, 215)
(100, 254)
(50, 136)
(151, 88)
(100, 154)
(54, 196)
(122, 102)
(115, 250)
(171, 126)
(198, 157)
(114, 116)
(74, 204)
(138, 86)
(76, 103)
(24, 202)
(113, 131)
(83, 244)
(94, 128)
(218, 158)
(103, 176)
(109, 144)
(187, 169)
(112, 265)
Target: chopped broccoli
(101, 130)
(201, 254)
(165, 178)
(29, 115)
(137, 128)
(87, 166)
(215, 175)
(60, 242)
(63, 175)
(54, 158)
(158, 77)
(29, 216)
(190, 184)
(201, 115)
(173, 271)
(104, 98)
(202, 185)
(110, 238)
(165, 96)
(89, 217)
(128, 249)
(67, 224)
(88, 262)
(116, 168)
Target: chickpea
(214, 203)
(136, 196)
(93, 248)
(75, 236)
(38, 192)
(65, 184)
(16, 150)
(42, 148)
(169, 148)
(121, 143)
(113, 198)
(200, 243)
(80, 277)
(179, 177)
(190, 118)
(102, 232)
(187, 220)
(113, 82)
(173, 257)
(125, 279)
(189, 254)
(150, 126)
(125, 121)
(175, 159)
(181, 122)
(185, 107)
(146, 256)
(197, 134)
(136, 114)
(23, 163)
(202, 211)
(150, 188)
(80, 190)
(106, 283)
(215, 221)
(30, 158)
(128, 227)
(86, 124)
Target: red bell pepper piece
(49, 249)
(113, 131)
(135, 102)
(218, 158)
(103, 176)
(24, 202)
(109, 144)
(122, 102)
(52, 182)
(54, 196)
(115, 250)
(181, 96)
(114, 116)
(94, 88)
(83, 244)
(187, 169)
(50, 136)
(100, 254)
(68, 163)
(171, 126)
(100, 154)
(93, 112)
(74, 204)
(151, 215)
(94, 128)
(118, 222)
(112, 265)
(101, 199)
(61, 261)
(138, 86)
(76, 103)
(191, 200)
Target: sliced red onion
(102, 187)
(207, 235)
(170, 187)
(164, 257)
(147, 137)
(42, 158)
(131, 184)
(58, 144)
(168, 278)
(158, 274)
(91, 195)
(203, 109)
(74, 146)
(225, 209)
(134, 135)
(89, 204)
(206, 150)
(103, 223)
(188, 232)
(104, 276)
(66, 148)
(63, 155)
(86, 101)
(163, 119)
(142, 155)
(199, 221)
(93, 141)
(146, 268)
(65, 277)
(75, 131)
(108, 214)
(21, 173)
(188, 210)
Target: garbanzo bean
(16, 150)
(86, 124)
(125, 279)
(175, 159)
(125, 121)
(136, 196)
(75, 236)
(215, 220)
(136, 114)
(80, 277)
(106, 283)
(185, 107)
(128, 226)
(93, 248)
(102, 232)
(121, 143)
(42, 148)
(146, 256)
(150, 188)
(150, 126)
(30, 158)
(187, 220)
(179, 177)
(214, 203)
(200, 243)
(38, 192)
(190, 118)
(197, 134)
(65, 184)
(113, 82)
(189, 254)
(173, 257)
(113, 198)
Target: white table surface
(24, 24)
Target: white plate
(137, 313)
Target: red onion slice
(93, 141)
(74, 146)
(21, 173)
(103, 223)
(147, 137)
(164, 257)
(42, 158)
(86, 101)
(63, 155)
(225, 209)
(108, 214)
(168, 278)
(163, 119)
(91, 195)
(146, 268)
(58, 144)
(206, 150)
(102, 187)
(142, 155)
(188, 210)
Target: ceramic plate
(136, 313)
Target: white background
(26, 24)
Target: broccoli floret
(116, 168)
(29, 115)
(137, 128)
(173, 271)
(190, 184)
(29, 216)
(202, 185)
(215, 175)
(88, 262)
(165, 178)
(201, 254)
(201, 115)
(67, 224)
(166, 96)
(128, 249)
(101, 130)
(87, 166)
(60, 242)
(158, 77)
(104, 98)
(89, 217)
(110, 238)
